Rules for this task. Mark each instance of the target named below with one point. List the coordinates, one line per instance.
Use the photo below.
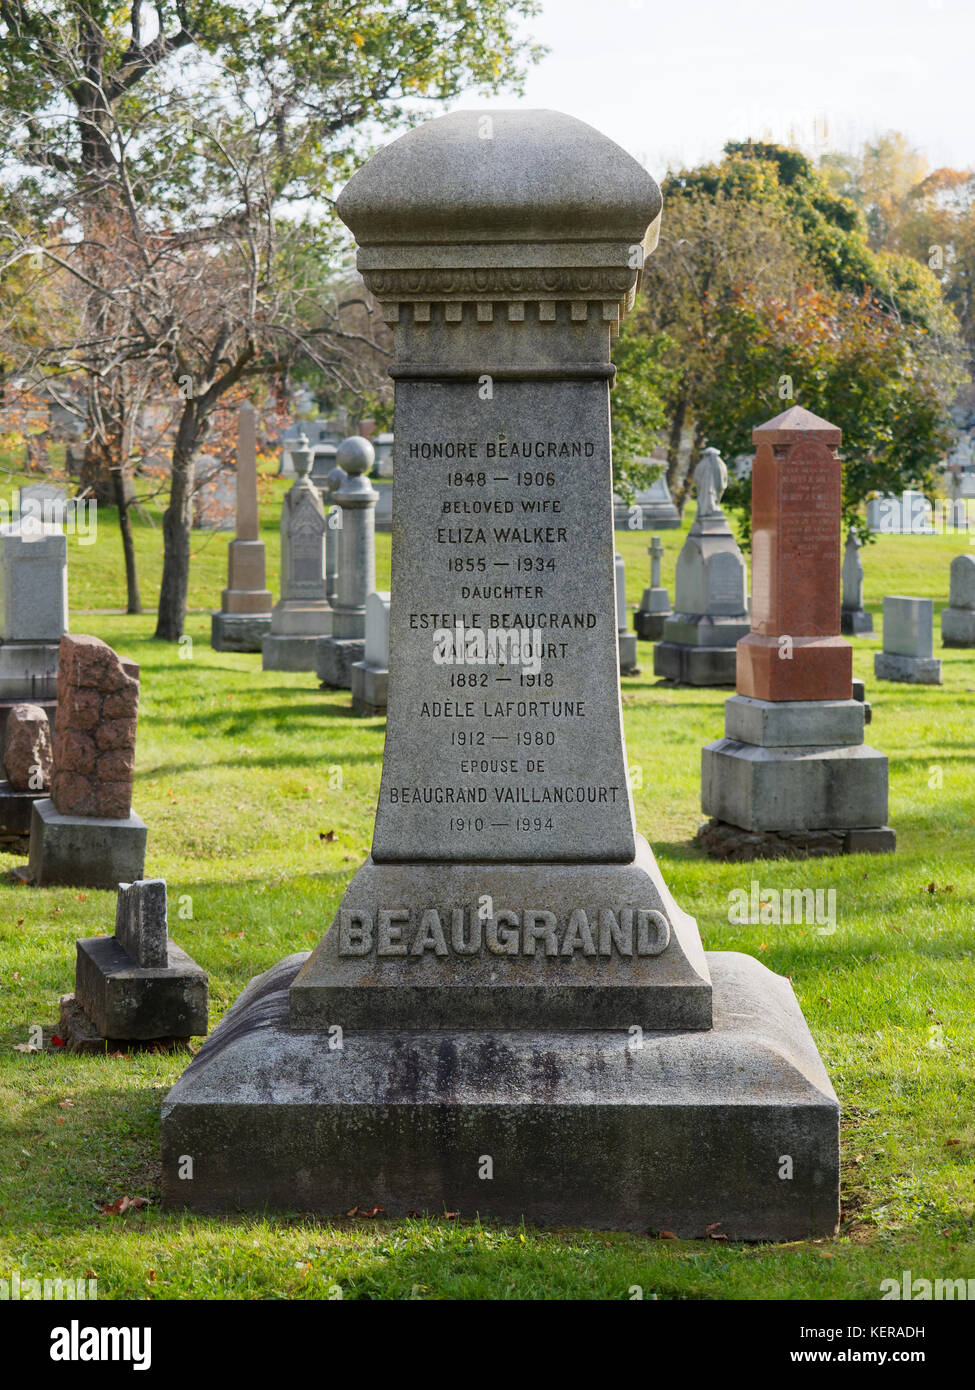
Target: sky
(672, 80)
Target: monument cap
(794, 424)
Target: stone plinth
(83, 851)
(854, 619)
(710, 598)
(137, 986)
(244, 616)
(303, 612)
(510, 972)
(908, 642)
(356, 567)
(792, 774)
(958, 619)
(370, 677)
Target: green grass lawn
(259, 792)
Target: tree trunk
(675, 478)
(177, 524)
(123, 502)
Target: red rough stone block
(27, 756)
(95, 729)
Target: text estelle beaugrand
(462, 931)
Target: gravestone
(626, 639)
(33, 611)
(383, 444)
(86, 832)
(652, 508)
(710, 591)
(384, 508)
(26, 766)
(370, 676)
(792, 774)
(854, 619)
(244, 617)
(41, 505)
(135, 989)
(908, 652)
(958, 619)
(494, 964)
(302, 614)
(655, 609)
(355, 499)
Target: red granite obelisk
(794, 650)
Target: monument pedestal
(797, 770)
(912, 670)
(83, 851)
(370, 687)
(628, 657)
(334, 659)
(675, 1130)
(958, 627)
(854, 622)
(699, 650)
(238, 632)
(15, 813)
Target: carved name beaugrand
(396, 931)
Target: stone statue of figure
(710, 479)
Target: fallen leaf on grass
(712, 1231)
(952, 1143)
(353, 1212)
(328, 835)
(25, 1047)
(451, 1215)
(414, 1214)
(123, 1205)
(666, 1235)
(56, 1041)
(372, 1212)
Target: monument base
(649, 626)
(855, 621)
(238, 632)
(684, 1131)
(958, 627)
(15, 810)
(694, 665)
(335, 658)
(735, 845)
(628, 660)
(123, 999)
(369, 687)
(83, 851)
(793, 788)
(288, 653)
(913, 670)
(79, 1034)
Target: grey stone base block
(369, 685)
(860, 693)
(15, 811)
(958, 627)
(695, 665)
(288, 653)
(238, 632)
(794, 723)
(855, 621)
(84, 851)
(733, 844)
(649, 627)
(706, 629)
(29, 671)
(786, 789)
(79, 1034)
(684, 1132)
(627, 646)
(335, 657)
(126, 1000)
(914, 670)
(412, 946)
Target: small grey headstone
(140, 922)
(908, 626)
